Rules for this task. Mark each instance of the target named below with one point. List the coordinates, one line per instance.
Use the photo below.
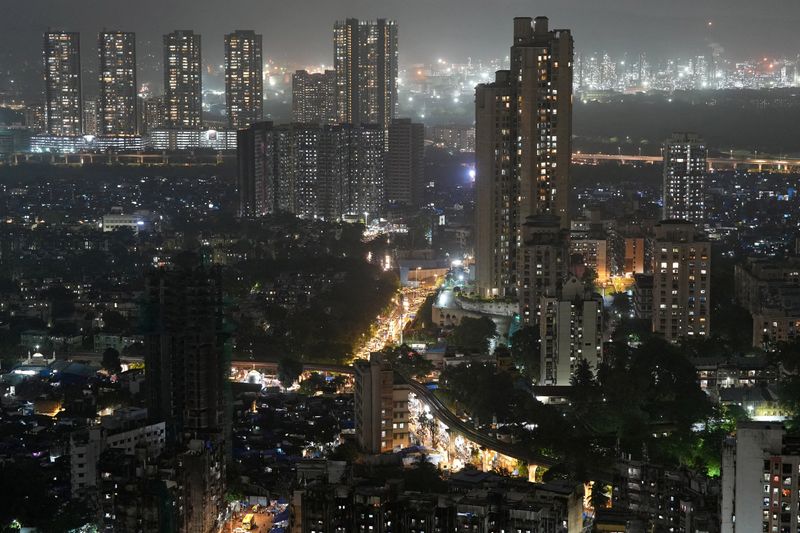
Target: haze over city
(452, 29)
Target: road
(713, 162)
(262, 522)
(389, 328)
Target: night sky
(299, 31)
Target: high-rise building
(681, 281)
(244, 81)
(684, 178)
(183, 98)
(365, 60)
(405, 162)
(117, 70)
(314, 97)
(634, 254)
(154, 113)
(381, 407)
(760, 473)
(91, 117)
(523, 146)
(543, 263)
(311, 170)
(571, 329)
(62, 83)
(186, 367)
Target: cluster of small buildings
(331, 496)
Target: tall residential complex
(571, 329)
(183, 97)
(117, 71)
(681, 281)
(311, 170)
(684, 178)
(523, 146)
(244, 81)
(405, 162)
(62, 83)
(365, 60)
(314, 97)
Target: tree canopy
(473, 334)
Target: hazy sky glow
(299, 31)
(454, 27)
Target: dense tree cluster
(641, 401)
(473, 334)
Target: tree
(621, 303)
(525, 351)
(114, 322)
(474, 334)
(111, 361)
(408, 362)
(289, 369)
(589, 278)
(62, 301)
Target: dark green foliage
(289, 369)
(525, 351)
(407, 361)
(473, 334)
(111, 361)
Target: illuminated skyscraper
(117, 70)
(62, 83)
(523, 146)
(684, 178)
(244, 82)
(314, 97)
(365, 60)
(183, 97)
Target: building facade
(769, 289)
(310, 170)
(405, 163)
(571, 330)
(117, 111)
(684, 178)
(543, 263)
(365, 61)
(62, 83)
(523, 146)
(314, 97)
(681, 281)
(183, 99)
(244, 80)
(381, 407)
(186, 369)
(760, 480)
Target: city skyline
(619, 27)
(552, 291)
